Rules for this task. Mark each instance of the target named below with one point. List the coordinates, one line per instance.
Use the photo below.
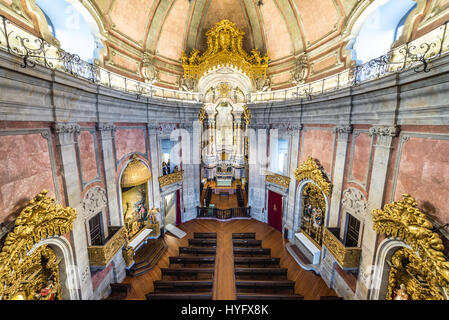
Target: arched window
(380, 28)
(74, 28)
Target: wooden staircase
(147, 257)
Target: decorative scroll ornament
(354, 200)
(94, 201)
(247, 115)
(312, 169)
(202, 115)
(300, 73)
(224, 43)
(149, 71)
(135, 174)
(171, 178)
(282, 181)
(405, 221)
(24, 275)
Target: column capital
(106, 129)
(65, 132)
(384, 134)
(106, 126)
(343, 132)
(384, 131)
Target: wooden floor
(307, 284)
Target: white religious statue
(401, 293)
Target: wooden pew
(251, 296)
(263, 285)
(246, 243)
(182, 285)
(187, 272)
(205, 235)
(203, 242)
(252, 251)
(192, 260)
(179, 296)
(257, 261)
(246, 235)
(261, 272)
(210, 251)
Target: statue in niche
(317, 217)
(48, 293)
(400, 293)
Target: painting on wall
(135, 208)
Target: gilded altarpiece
(313, 206)
(29, 271)
(419, 273)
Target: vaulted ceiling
(165, 28)
(288, 30)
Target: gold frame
(405, 221)
(40, 219)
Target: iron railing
(417, 54)
(223, 214)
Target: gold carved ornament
(247, 115)
(135, 174)
(24, 275)
(224, 42)
(171, 178)
(282, 181)
(311, 169)
(405, 221)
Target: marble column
(65, 141)
(383, 148)
(342, 132)
(106, 139)
(258, 143)
(191, 182)
(155, 165)
(294, 133)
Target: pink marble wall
(361, 157)
(25, 170)
(319, 145)
(129, 140)
(424, 174)
(87, 155)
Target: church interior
(224, 150)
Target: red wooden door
(275, 210)
(178, 208)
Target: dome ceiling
(165, 28)
(305, 39)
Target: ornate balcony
(100, 256)
(171, 178)
(347, 257)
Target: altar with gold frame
(29, 269)
(418, 270)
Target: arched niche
(135, 200)
(312, 200)
(36, 261)
(410, 262)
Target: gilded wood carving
(405, 221)
(312, 169)
(224, 43)
(34, 276)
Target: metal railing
(416, 55)
(223, 214)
